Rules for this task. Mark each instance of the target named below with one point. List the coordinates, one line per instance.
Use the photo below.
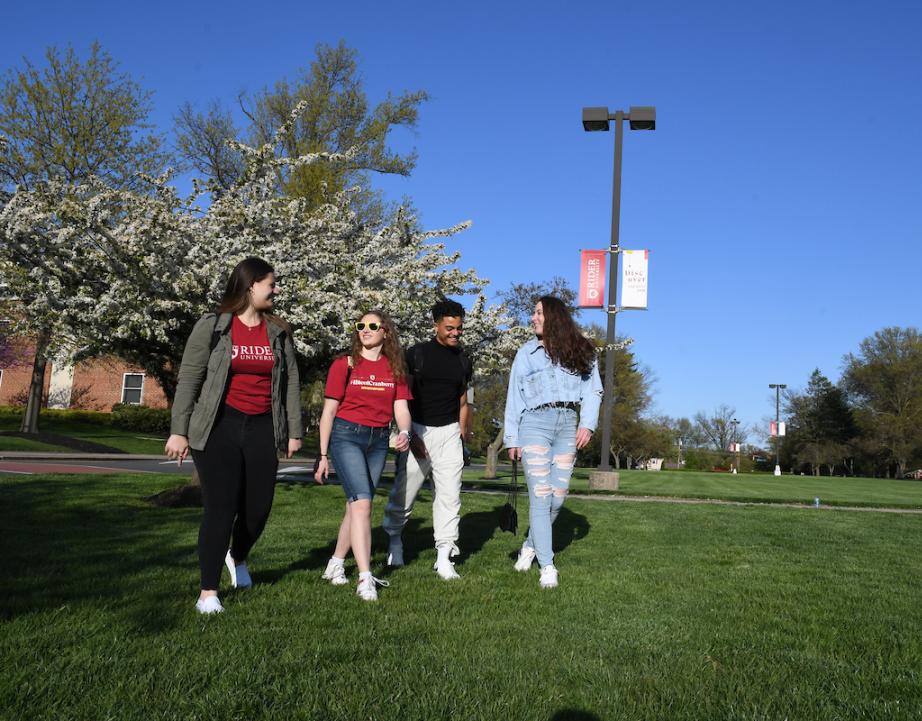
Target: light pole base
(777, 470)
(603, 480)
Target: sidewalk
(51, 457)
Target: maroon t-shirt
(250, 389)
(368, 397)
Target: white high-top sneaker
(443, 565)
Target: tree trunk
(37, 384)
(615, 458)
(489, 472)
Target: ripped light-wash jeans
(548, 438)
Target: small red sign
(592, 278)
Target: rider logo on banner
(592, 278)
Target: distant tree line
(870, 423)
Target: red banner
(592, 278)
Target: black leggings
(237, 469)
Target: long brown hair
(563, 342)
(236, 296)
(390, 350)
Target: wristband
(404, 433)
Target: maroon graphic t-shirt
(250, 389)
(366, 394)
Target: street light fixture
(778, 387)
(736, 443)
(597, 119)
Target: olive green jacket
(202, 382)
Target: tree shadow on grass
(75, 540)
(572, 714)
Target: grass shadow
(569, 527)
(64, 542)
(475, 529)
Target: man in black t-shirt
(441, 373)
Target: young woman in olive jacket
(237, 404)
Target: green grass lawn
(117, 439)
(12, 443)
(757, 487)
(664, 611)
(94, 432)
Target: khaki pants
(446, 461)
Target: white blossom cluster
(106, 269)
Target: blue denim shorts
(358, 453)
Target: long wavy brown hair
(563, 342)
(236, 296)
(390, 350)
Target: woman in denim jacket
(552, 376)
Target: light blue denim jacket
(534, 381)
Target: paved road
(30, 463)
(85, 463)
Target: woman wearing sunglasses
(364, 389)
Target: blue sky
(780, 195)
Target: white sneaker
(335, 573)
(525, 559)
(548, 577)
(367, 588)
(443, 566)
(208, 605)
(446, 569)
(239, 574)
(395, 552)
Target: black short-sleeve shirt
(440, 376)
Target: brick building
(95, 384)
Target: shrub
(62, 414)
(141, 418)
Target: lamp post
(736, 443)
(595, 119)
(777, 387)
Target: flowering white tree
(144, 267)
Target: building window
(133, 388)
